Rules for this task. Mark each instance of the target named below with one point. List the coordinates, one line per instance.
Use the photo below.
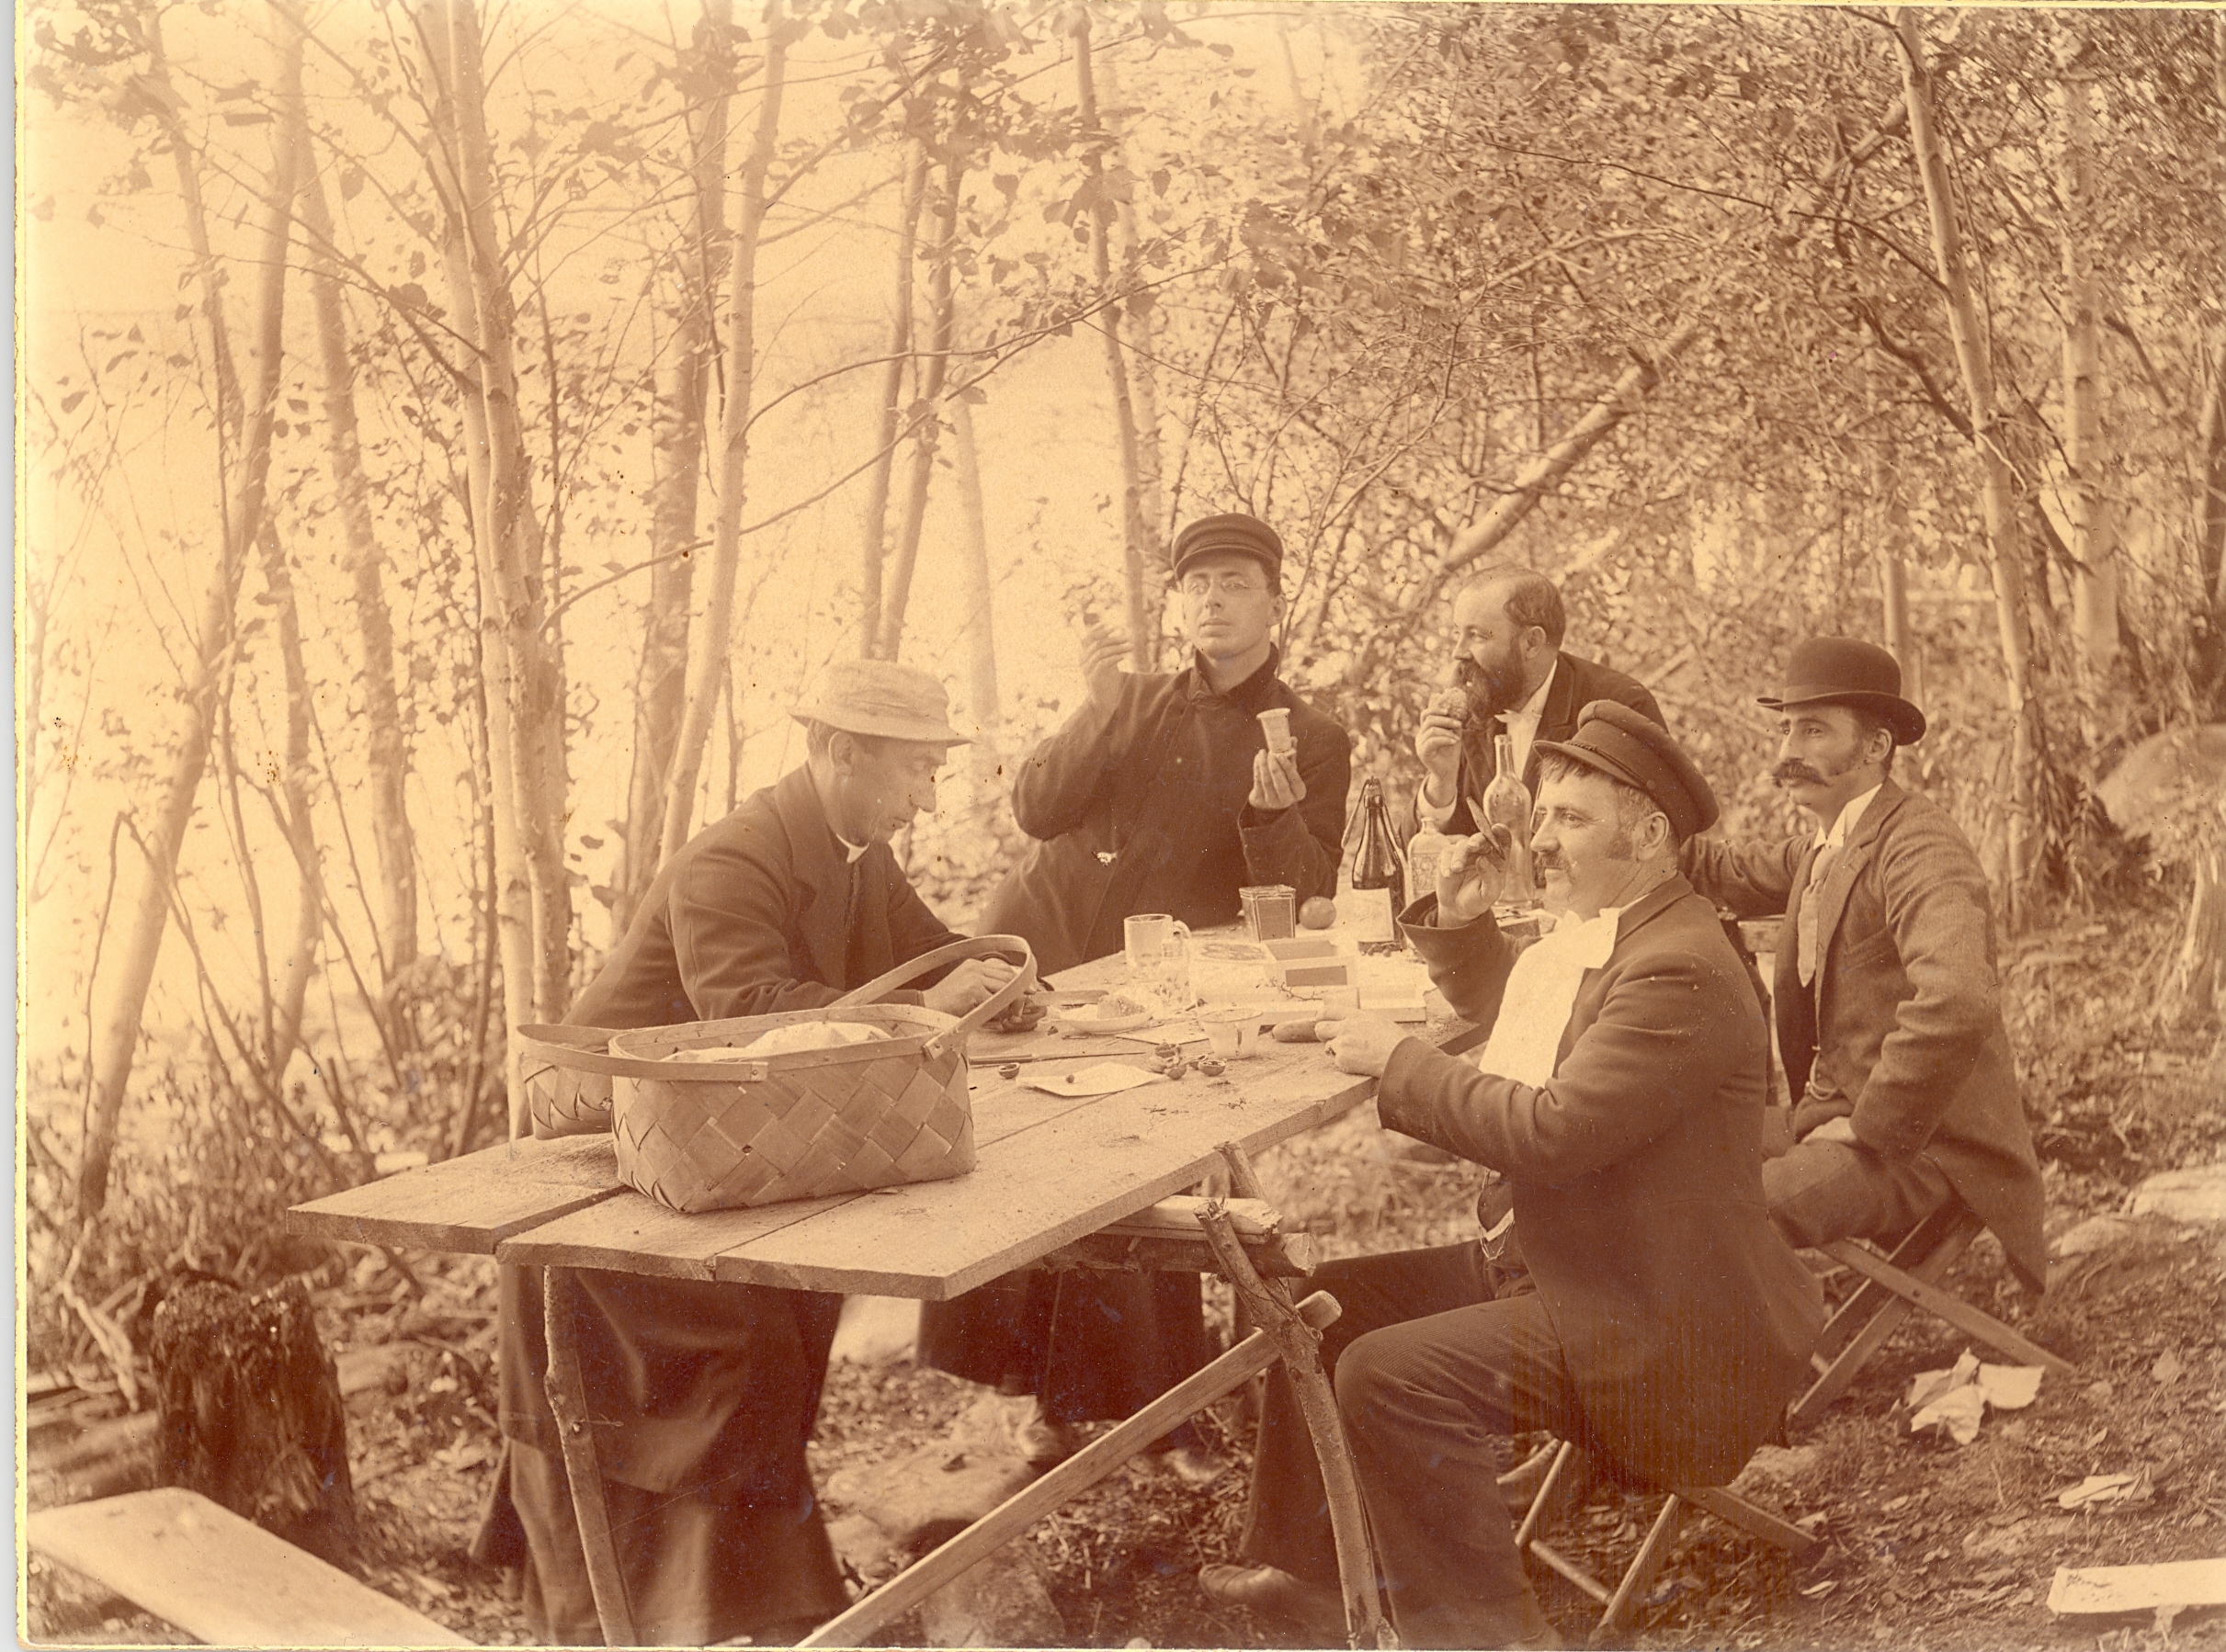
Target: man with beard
(1887, 1001)
(1662, 1322)
(704, 1394)
(1513, 678)
(1159, 794)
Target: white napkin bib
(1542, 992)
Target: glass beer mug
(1158, 954)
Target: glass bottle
(1506, 802)
(1379, 879)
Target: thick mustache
(1785, 773)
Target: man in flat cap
(1663, 1322)
(1159, 794)
(706, 1393)
(1513, 678)
(1887, 997)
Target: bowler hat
(880, 697)
(1842, 671)
(1631, 747)
(1231, 533)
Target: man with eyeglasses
(1159, 794)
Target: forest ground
(1928, 1543)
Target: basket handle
(953, 951)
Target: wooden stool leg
(1270, 1304)
(583, 1469)
(1639, 1576)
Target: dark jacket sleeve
(1469, 965)
(727, 914)
(1305, 844)
(914, 927)
(1754, 879)
(1064, 778)
(1937, 911)
(1663, 1043)
(1640, 698)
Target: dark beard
(1490, 691)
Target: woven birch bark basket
(804, 1124)
(566, 1072)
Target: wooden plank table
(1050, 1170)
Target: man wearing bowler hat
(704, 1394)
(1887, 998)
(1159, 794)
(1662, 1323)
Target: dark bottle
(1379, 880)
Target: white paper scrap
(1959, 1412)
(2010, 1387)
(2106, 1588)
(1102, 1078)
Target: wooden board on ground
(470, 1204)
(221, 1579)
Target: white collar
(1837, 836)
(851, 851)
(1533, 707)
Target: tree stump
(250, 1414)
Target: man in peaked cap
(1159, 794)
(1887, 997)
(1663, 1321)
(706, 1393)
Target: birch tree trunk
(875, 521)
(292, 806)
(2006, 539)
(934, 369)
(984, 759)
(386, 752)
(116, 1037)
(1139, 321)
(2092, 538)
(708, 661)
(1143, 647)
(683, 399)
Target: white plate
(1068, 1023)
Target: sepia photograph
(1120, 824)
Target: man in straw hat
(1160, 794)
(710, 1390)
(1662, 1324)
(1887, 999)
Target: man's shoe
(1518, 1488)
(1315, 1608)
(1045, 1443)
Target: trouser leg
(1287, 1522)
(1421, 1403)
(1821, 1191)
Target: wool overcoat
(1685, 1320)
(1901, 1031)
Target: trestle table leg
(583, 1466)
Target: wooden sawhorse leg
(583, 1464)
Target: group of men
(1645, 1300)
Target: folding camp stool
(1894, 1286)
(1653, 1549)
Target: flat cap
(880, 697)
(1231, 533)
(1845, 671)
(1629, 746)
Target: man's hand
(1468, 879)
(1437, 743)
(968, 984)
(1103, 649)
(1841, 1129)
(1275, 780)
(1361, 1044)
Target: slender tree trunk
(116, 1038)
(1139, 320)
(2004, 536)
(709, 662)
(2210, 519)
(942, 309)
(2093, 536)
(293, 810)
(1143, 647)
(677, 456)
(387, 751)
(984, 759)
(875, 522)
(1893, 573)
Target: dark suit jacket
(1143, 809)
(1685, 1320)
(1902, 1032)
(1576, 683)
(697, 1387)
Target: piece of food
(1318, 912)
(1295, 1032)
(1010, 1069)
(788, 1040)
(1116, 1006)
(1450, 702)
(1210, 1068)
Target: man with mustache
(1662, 1322)
(1887, 999)
(704, 1394)
(1513, 678)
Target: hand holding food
(1471, 875)
(1437, 743)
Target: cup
(1275, 719)
(1250, 1037)
(1224, 1038)
(1157, 951)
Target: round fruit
(1318, 912)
